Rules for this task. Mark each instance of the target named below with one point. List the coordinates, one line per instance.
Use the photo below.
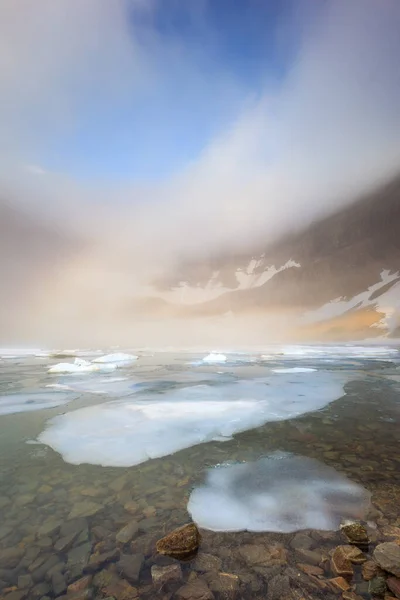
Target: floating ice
(125, 433)
(27, 402)
(81, 366)
(111, 386)
(280, 493)
(294, 370)
(214, 357)
(118, 358)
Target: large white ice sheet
(130, 431)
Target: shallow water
(44, 499)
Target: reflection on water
(65, 525)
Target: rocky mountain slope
(338, 279)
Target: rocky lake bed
(86, 531)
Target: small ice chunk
(28, 402)
(294, 370)
(279, 493)
(214, 357)
(118, 358)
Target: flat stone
(25, 581)
(17, 595)
(312, 557)
(351, 596)
(76, 526)
(394, 585)
(387, 555)
(377, 586)
(86, 508)
(207, 562)
(161, 575)
(257, 554)
(311, 569)
(78, 559)
(369, 570)
(65, 543)
(130, 565)
(80, 585)
(127, 533)
(10, 557)
(40, 573)
(45, 542)
(41, 589)
(226, 585)
(111, 585)
(100, 559)
(195, 590)
(278, 587)
(49, 527)
(301, 540)
(58, 583)
(340, 583)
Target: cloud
(326, 130)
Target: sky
(152, 130)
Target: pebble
(86, 508)
(377, 586)
(195, 590)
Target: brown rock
(312, 557)
(182, 543)
(340, 562)
(340, 583)
(394, 585)
(80, 585)
(207, 562)
(351, 596)
(161, 575)
(387, 555)
(225, 584)
(127, 533)
(391, 531)
(195, 590)
(310, 569)
(369, 570)
(109, 584)
(257, 554)
(356, 534)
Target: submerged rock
(195, 590)
(182, 543)
(161, 575)
(394, 586)
(387, 555)
(340, 562)
(130, 565)
(127, 533)
(377, 586)
(356, 534)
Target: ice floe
(294, 370)
(110, 386)
(81, 366)
(117, 358)
(128, 432)
(27, 402)
(214, 357)
(279, 493)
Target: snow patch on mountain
(251, 276)
(387, 303)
